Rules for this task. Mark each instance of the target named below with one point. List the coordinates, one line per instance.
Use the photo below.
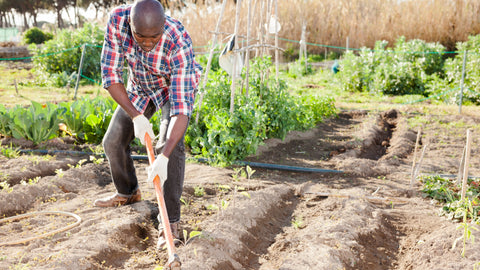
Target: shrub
(454, 66)
(36, 36)
(62, 54)
(268, 111)
(405, 69)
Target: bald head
(147, 20)
(147, 14)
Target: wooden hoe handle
(161, 205)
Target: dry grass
(330, 22)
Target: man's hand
(159, 167)
(141, 127)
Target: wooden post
(277, 54)
(460, 168)
(261, 29)
(247, 56)
(414, 163)
(417, 167)
(235, 57)
(467, 160)
(79, 72)
(462, 81)
(303, 44)
(209, 63)
(16, 87)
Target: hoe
(173, 262)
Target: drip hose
(16, 242)
(240, 163)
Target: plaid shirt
(168, 72)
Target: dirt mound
(356, 217)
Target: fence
(459, 89)
(9, 34)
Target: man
(163, 74)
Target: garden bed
(362, 215)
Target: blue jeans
(116, 143)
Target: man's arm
(119, 94)
(176, 129)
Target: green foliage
(6, 117)
(453, 70)
(447, 192)
(69, 43)
(38, 123)
(9, 152)
(405, 69)
(36, 36)
(268, 111)
(299, 68)
(203, 61)
(88, 119)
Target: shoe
(162, 241)
(117, 200)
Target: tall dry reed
(331, 22)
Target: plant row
(414, 67)
(268, 111)
(86, 119)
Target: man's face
(148, 38)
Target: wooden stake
(277, 54)
(460, 168)
(235, 57)
(417, 169)
(417, 142)
(16, 88)
(467, 160)
(210, 57)
(247, 60)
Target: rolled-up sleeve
(112, 58)
(185, 77)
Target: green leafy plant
(10, 152)
(199, 191)
(96, 160)
(298, 223)
(269, 111)
(59, 172)
(38, 123)
(188, 237)
(404, 69)
(5, 186)
(466, 211)
(88, 119)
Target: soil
(341, 199)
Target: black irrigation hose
(241, 163)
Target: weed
(6, 186)
(59, 172)
(10, 152)
(96, 161)
(250, 172)
(79, 164)
(199, 191)
(224, 188)
(186, 202)
(212, 207)
(298, 223)
(466, 211)
(187, 237)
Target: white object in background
(227, 58)
(273, 25)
